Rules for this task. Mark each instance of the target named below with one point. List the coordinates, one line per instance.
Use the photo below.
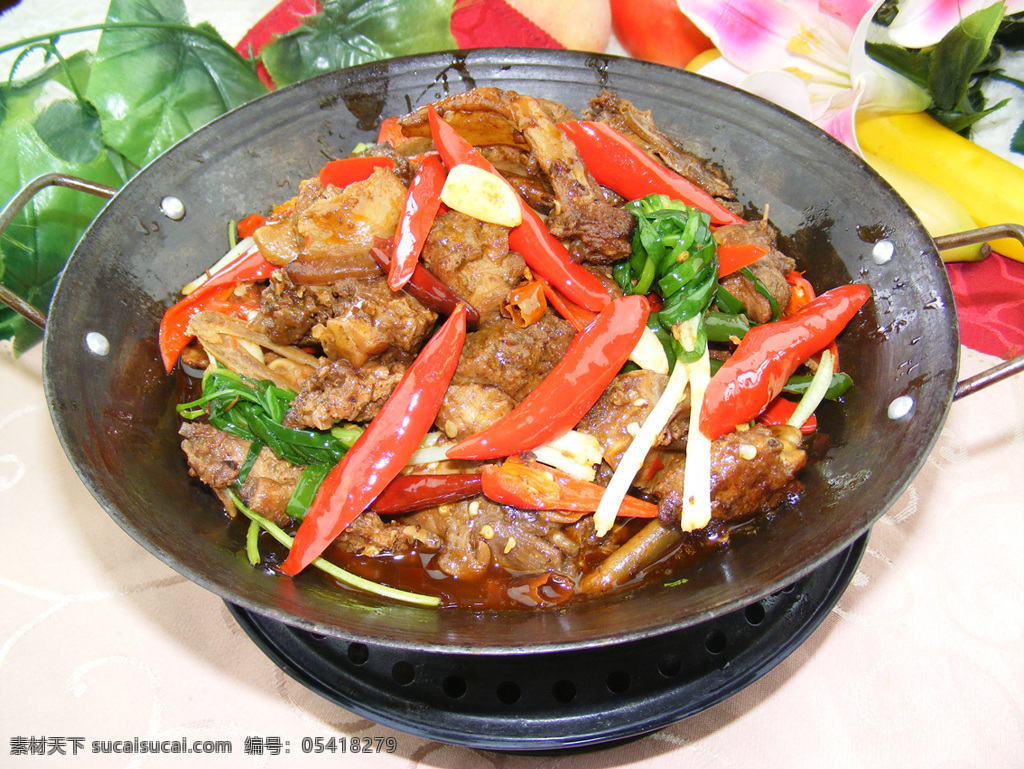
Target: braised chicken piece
(752, 471)
(639, 127)
(216, 457)
(624, 406)
(472, 257)
(327, 234)
(350, 319)
(341, 392)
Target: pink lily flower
(805, 55)
(921, 23)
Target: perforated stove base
(559, 700)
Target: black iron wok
(114, 413)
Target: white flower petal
(782, 88)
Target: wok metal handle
(14, 207)
(969, 238)
(980, 235)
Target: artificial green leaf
(955, 58)
(912, 63)
(960, 122)
(38, 242)
(350, 32)
(1017, 142)
(154, 86)
(71, 130)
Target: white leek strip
(240, 251)
(815, 392)
(428, 453)
(649, 354)
(633, 457)
(337, 572)
(696, 512)
(574, 453)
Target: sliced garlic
(482, 195)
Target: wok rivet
(900, 407)
(172, 208)
(97, 343)
(883, 251)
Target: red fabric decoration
(283, 17)
(990, 304)
(494, 23)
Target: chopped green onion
(725, 327)
(306, 489)
(798, 384)
(252, 548)
(726, 301)
(250, 459)
(762, 289)
(345, 577)
(254, 410)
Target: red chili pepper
(575, 383)
(529, 485)
(391, 132)
(766, 357)
(416, 492)
(780, 410)
(247, 226)
(735, 256)
(425, 287)
(801, 294)
(621, 166)
(173, 337)
(421, 204)
(526, 303)
(544, 254)
(578, 316)
(384, 448)
(246, 268)
(343, 172)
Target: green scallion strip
(306, 489)
(345, 577)
(724, 327)
(798, 384)
(643, 283)
(255, 411)
(250, 459)
(727, 302)
(252, 547)
(815, 393)
(762, 289)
